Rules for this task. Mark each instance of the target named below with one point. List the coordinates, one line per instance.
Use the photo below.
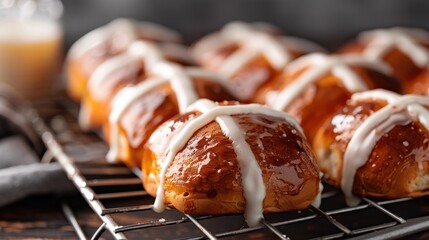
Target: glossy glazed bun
(250, 55)
(138, 110)
(105, 42)
(377, 146)
(406, 50)
(125, 69)
(314, 86)
(228, 159)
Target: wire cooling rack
(116, 195)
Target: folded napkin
(21, 172)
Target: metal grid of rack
(116, 195)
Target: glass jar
(31, 39)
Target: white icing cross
(126, 28)
(320, 65)
(400, 110)
(178, 77)
(252, 182)
(139, 50)
(254, 41)
(121, 103)
(180, 81)
(408, 41)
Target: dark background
(329, 22)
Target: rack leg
(99, 232)
(72, 220)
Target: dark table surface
(41, 217)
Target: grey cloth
(21, 173)
(37, 178)
(15, 151)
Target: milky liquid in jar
(30, 55)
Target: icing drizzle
(139, 50)
(179, 78)
(145, 51)
(400, 110)
(320, 65)
(253, 41)
(102, 76)
(381, 41)
(252, 182)
(180, 81)
(128, 29)
(121, 103)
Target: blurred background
(329, 22)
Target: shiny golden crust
(204, 177)
(414, 80)
(153, 109)
(248, 80)
(392, 170)
(321, 100)
(419, 84)
(140, 120)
